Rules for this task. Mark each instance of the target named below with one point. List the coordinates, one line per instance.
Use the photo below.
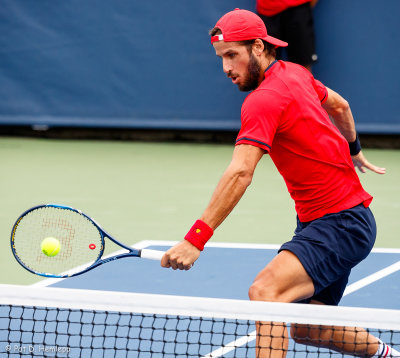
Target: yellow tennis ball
(50, 246)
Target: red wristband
(199, 234)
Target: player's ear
(258, 47)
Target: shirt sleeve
(321, 90)
(261, 113)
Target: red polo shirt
(284, 117)
(273, 7)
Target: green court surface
(154, 191)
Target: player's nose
(226, 66)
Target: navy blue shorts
(329, 247)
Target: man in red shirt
(293, 22)
(286, 116)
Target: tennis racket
(82, 242)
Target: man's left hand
(362, 164)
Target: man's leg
(347, 340)
(284, 279)
(350, 340)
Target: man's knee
(265, 290)
(284, 279)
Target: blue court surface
(227, 270)
(223, 271)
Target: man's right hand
(181, 256)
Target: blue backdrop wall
(149, 64)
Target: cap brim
(275, 41)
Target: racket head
(81, 239)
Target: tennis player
(287, 116)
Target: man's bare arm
(339, 110)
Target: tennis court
(120, 109)
(147, 198)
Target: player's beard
(252, 79)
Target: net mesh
(53, 322)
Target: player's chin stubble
(253, 75)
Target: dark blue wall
(359, 49)
(149, 64)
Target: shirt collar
(271, 64)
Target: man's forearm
(227, 194)
(233, 184)
(344, 121)
(339, 110)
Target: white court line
(236, 245)
(51, 281)
(232, 346)
(146, 243)
(229, 245)
(372, 278)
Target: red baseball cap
(240, 25)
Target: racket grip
(151, 254)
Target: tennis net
(57, 322)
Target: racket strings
(59, 223)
